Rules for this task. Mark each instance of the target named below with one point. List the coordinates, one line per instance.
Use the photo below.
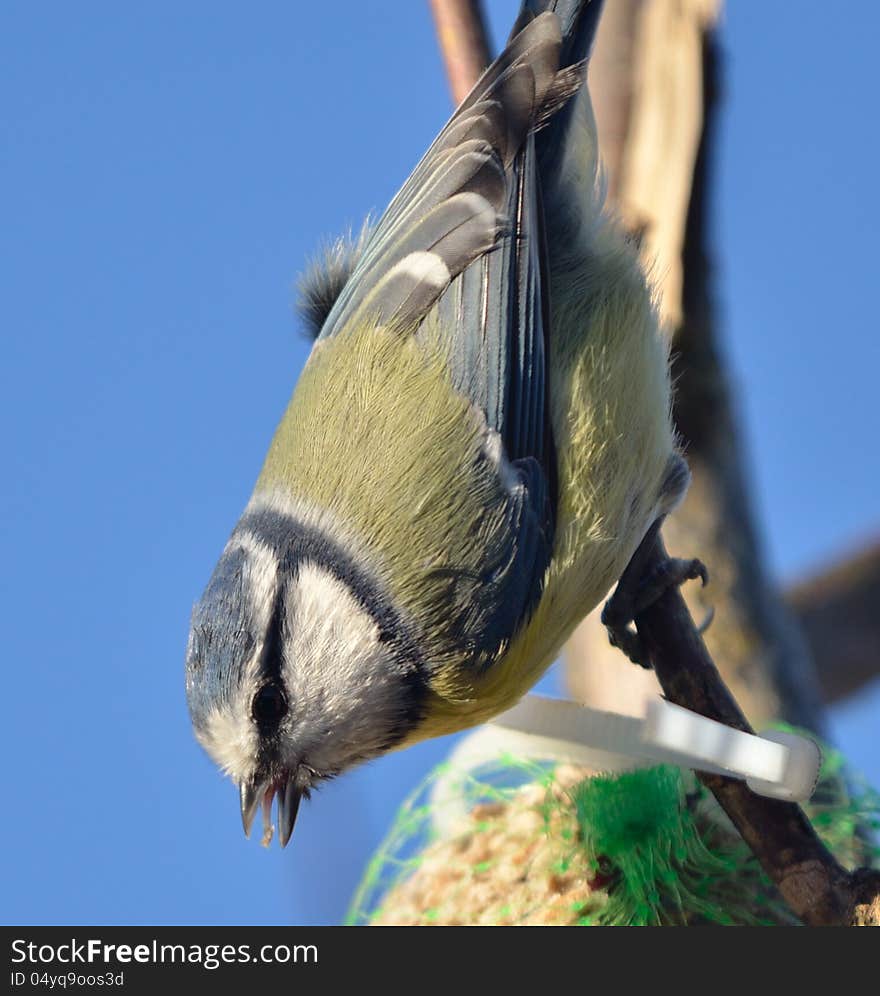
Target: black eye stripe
(272, 655)
(269, 706)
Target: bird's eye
(269, 705)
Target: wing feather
(458, 260)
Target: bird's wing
(458, 257)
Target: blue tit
(478, 442)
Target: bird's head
(297, 668)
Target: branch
(837, 610)
(461, 32)
(817, 889)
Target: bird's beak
(253, 793)
(251, 796)
(289, 796)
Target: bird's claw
(634, 594)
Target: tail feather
(568, 154)
(579, 20)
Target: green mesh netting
(515, 842)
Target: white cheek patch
(260, 588)
(261, 571)
(229, 734)
(324, 608)
(231, 740)
(344, 685)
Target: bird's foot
(640, 585)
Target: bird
(478, 443)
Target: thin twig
(461, 32)
(817, 889)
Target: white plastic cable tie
(779, 765)
(776, 764)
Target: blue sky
(167, 171)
